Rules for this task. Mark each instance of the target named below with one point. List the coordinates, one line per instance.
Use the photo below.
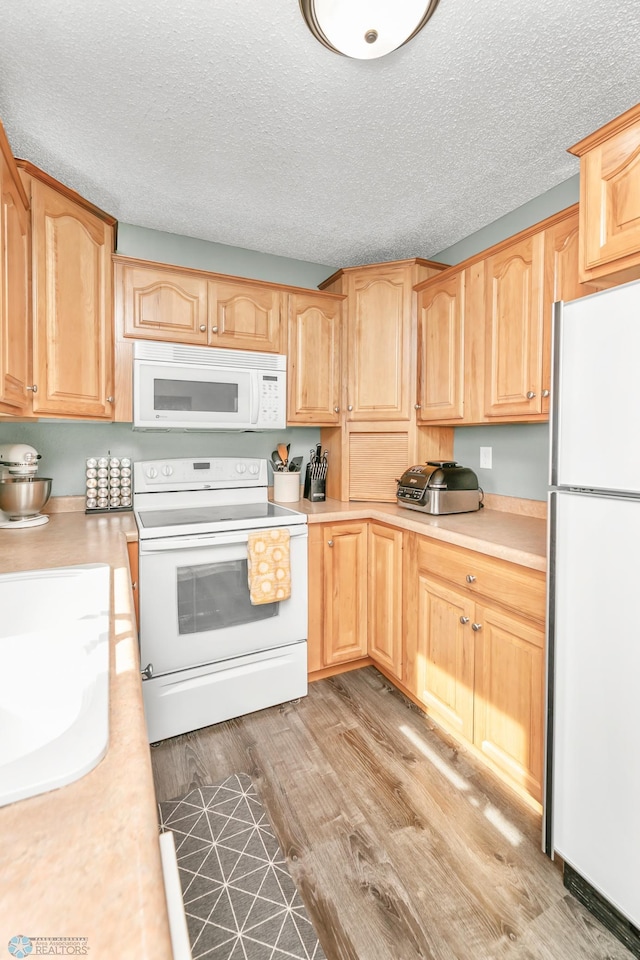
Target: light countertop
(84, 860)
(508, 536)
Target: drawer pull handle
(470, 578)
(464, 619)
(476, 626)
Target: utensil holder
(286, 486)
(314, 489)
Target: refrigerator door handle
(556, 340)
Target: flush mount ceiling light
(365, 29)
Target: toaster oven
(439, 487)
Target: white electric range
(207, 653)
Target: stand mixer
(22, 493)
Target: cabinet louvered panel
(376, 460)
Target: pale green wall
(65, 446)
(204, 255)
(520, 451)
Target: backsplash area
(65, 445)
(520, 452)
(520, 457)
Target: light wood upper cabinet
(72, 243)
(514, 328)
(610, 201)
(441, 350)
(15, 314)
(378, 343)
(161, 303)
(313, 368)
(384, 589)
(244, 315)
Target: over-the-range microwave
(205, 388)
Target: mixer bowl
(24, 497)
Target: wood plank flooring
(402, 845)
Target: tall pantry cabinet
(378, 435)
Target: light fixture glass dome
(365, 29)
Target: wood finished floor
(402, 845)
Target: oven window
(212, 596)
(195, 395)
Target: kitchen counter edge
(84, 860)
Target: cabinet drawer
(508, 584)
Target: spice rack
(108, 484)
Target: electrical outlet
(486, 457)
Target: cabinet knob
(546, 393)
(350, 407)
(110, 399)
(476, 626)
(203, 327)
(336, 409)
(214, 329)
(417, 406)
(330, 543)
(147, 672)
(464, 619)
(34, 388)
(470, 578)
(134, 585)
(530, 394)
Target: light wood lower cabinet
(474, 657)
(134, 568)
(384, 597)
(345, 574)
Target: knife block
(314, 489)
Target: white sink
(54, 677)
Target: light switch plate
(486, 456)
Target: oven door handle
(166, 544)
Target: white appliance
(592, 812)
(207, 654)
(203, 388)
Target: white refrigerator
(592, 808)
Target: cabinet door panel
(509, 702)
(385, 597)
(244, 316)
(73, 316)
(514, 335)
(440, 351)
(313, 373)
(445, 668)
(15, 317)
(378, 346)
(316, 606)
(345, 578)
(161, 304)
(610, 185)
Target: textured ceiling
(226, 120)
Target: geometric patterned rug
(240, 900)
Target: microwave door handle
(254, 396)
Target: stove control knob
(152, 473)
(167, 470)
(241, 467)
(254, 468)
